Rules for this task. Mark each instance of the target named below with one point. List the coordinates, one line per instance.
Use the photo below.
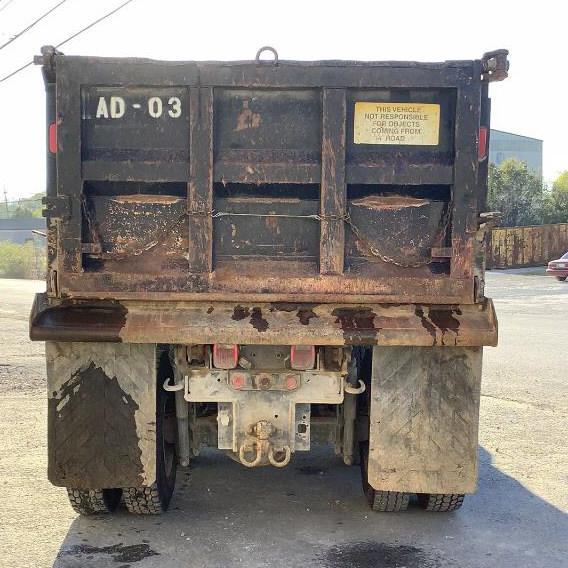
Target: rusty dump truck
(262, 255)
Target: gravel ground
(312, 513)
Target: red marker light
(225, 356)
(291, 382)
(482, 148)
(238, 381)
(53, 138)
(302, 357)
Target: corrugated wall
(514, 247)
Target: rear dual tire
(396, 501)
(380, 501)
(94, 501)
(441, 502)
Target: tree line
(523, 198)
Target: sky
(533, 101)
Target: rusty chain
(317, 217)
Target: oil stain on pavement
(119, 552)
(379, 555)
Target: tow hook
(262, 430)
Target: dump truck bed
(212, 181)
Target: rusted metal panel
(200, 189)
(275, 227)
(265, 323)
(101, 404)
(333, 189)
(515, 247)
(465, 188)
(258, 280)
(68, 120)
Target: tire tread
(91, 501)
(143, 500)
(441, 502)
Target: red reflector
(482, 148)
(302, 357)
(53, 138)
(225, 356)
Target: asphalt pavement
(313, 513)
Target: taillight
(53, 138)
(302, 357)
(225, 356)
(482, 148)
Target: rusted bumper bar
(268, 323)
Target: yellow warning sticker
(397, 123)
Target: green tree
(557, 200)
(516, 192)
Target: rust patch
(247, 118)
(257, 321)
(426, 324)
(445, 320)
(272, 224)
(144, 198)
(304, 312)
(358, 325)
(240, 313)
(284, 307)
(389, 202)
(305, 315)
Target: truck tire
(381, 501)
(94, 501)
(441, 502)
(154, 499)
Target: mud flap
(101, 414)
(424, 419)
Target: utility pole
(6, 202)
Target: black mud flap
(101, 414)
(424, 419)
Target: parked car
(559, 267)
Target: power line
(70, 38)
(15, 37)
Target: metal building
(506, 145)
(19, 230)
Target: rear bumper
(268, 323)
(561, 272)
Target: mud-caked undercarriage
(407, 415)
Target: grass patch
(22, 261)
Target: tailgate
(323, 182)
